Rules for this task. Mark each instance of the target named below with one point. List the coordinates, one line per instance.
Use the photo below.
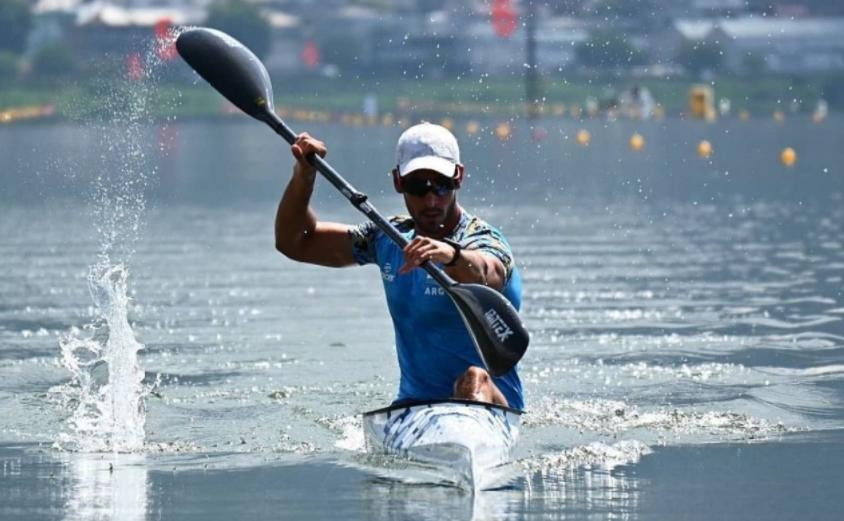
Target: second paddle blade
(495, 326)
(229, 67)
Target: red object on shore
(310, 54)
(165, 43)
(504, 18)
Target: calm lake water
(687, 355)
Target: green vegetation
(504, 96)
(243, 21)
(701, 56)
(53, 61)
(608, 50)
(624, 8)
(8, 68)
(493, 97)
(15, 23)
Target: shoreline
(51, 113)
(323, 99)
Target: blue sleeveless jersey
(433, 346)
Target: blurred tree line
(608, 49)
(243, 21)
(15, 24)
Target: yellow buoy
(744, 115)
(502, 131)
(583, 137)
(779, 116)
(447, 123)
(788, 156)
(704, 149)
(473, 127)
(637, 142)
(702, 102)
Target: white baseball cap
(427, 147)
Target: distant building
(782, 45)
(98, 28)
(450, 37)
(459, 38)
(556, 41)
(288, 42)
(397, 42)
(713, 7)
(108, 29)
(346, 35)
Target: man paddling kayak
(437, 357)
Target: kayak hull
(461, 443)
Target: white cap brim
(437, 164)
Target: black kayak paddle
(494, 325)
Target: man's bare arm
(479, 268)
(299, 235)
(473, 266)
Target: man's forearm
(475, 267)
(294, 220)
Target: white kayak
(461, 442)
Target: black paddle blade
(500, 337)
(230, 68)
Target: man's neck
(449, 225)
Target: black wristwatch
(457, 248)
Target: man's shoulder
(368, 239)
(475, 233)
(472, 226)
(403, 223)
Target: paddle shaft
(493, 323)
(358, 199)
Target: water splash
(106, 391)
(614, 418)
(349, 430)
(606, 456)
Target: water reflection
(106, 486)
(585, 492)
(394, 500)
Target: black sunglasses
(441, 186)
